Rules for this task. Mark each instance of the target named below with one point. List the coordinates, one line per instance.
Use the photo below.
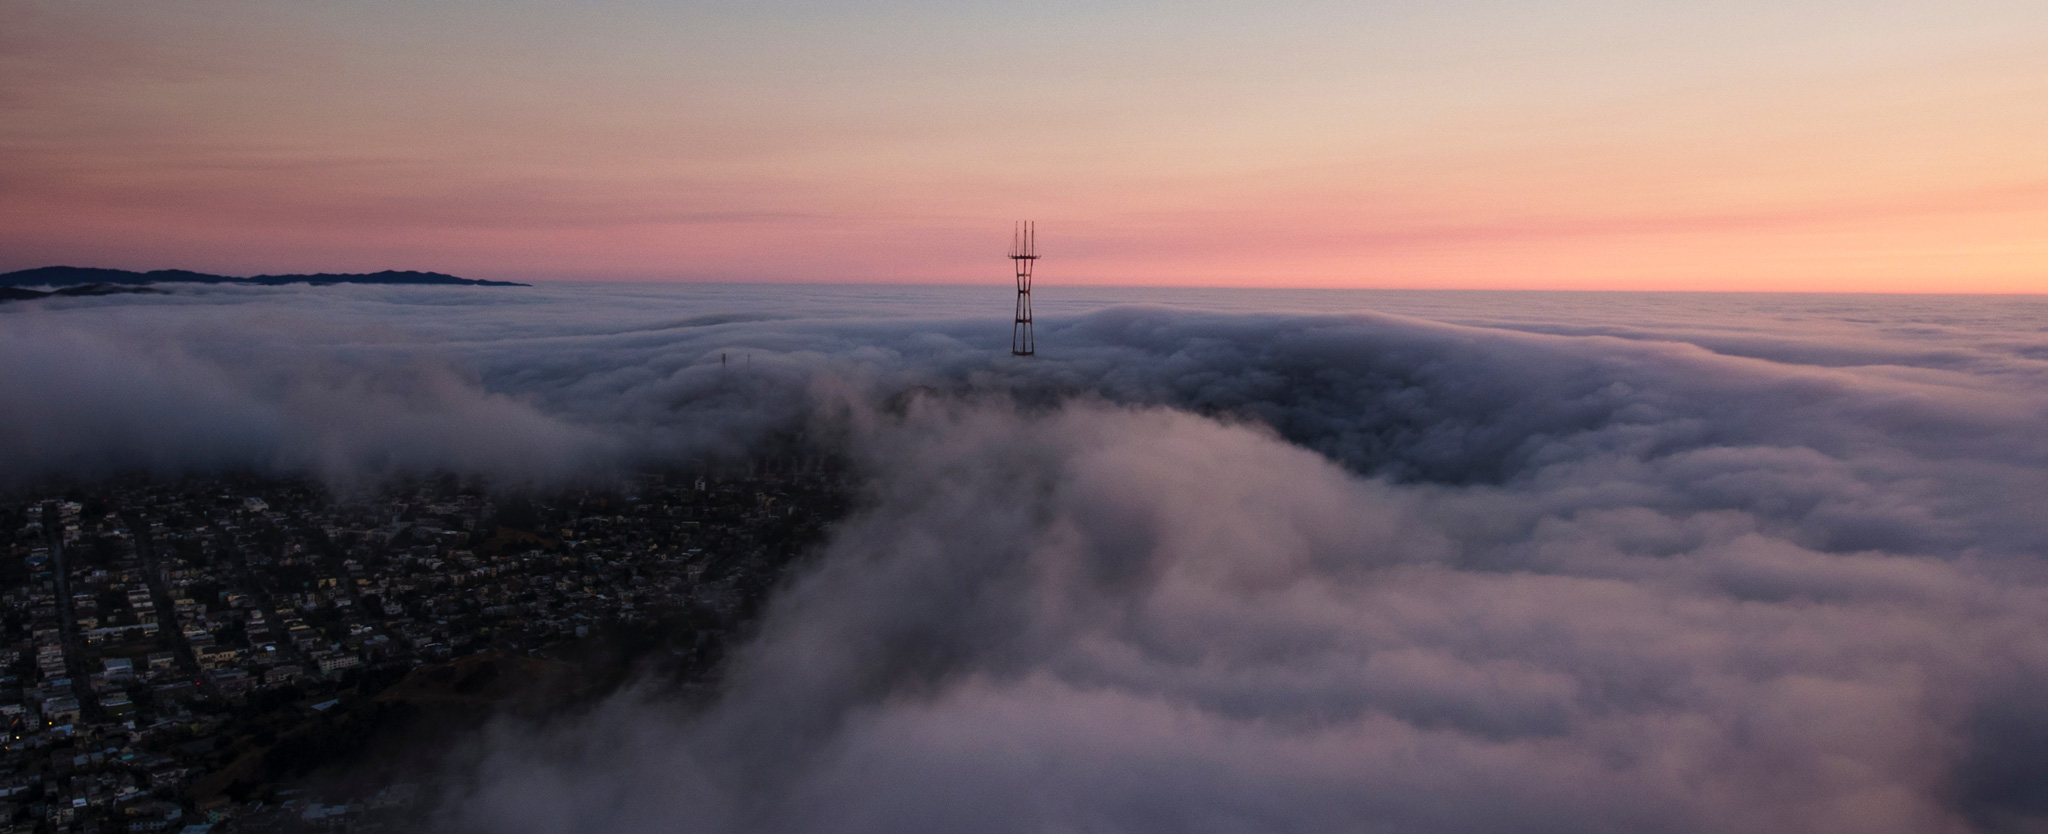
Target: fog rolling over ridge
(1473, 562)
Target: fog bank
(1207, 569)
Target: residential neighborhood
(258, 654)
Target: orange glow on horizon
(1746, 148)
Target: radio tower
(1023, 250)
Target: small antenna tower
(1023, 252)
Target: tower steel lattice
(1023, 253)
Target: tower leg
(1021, 342)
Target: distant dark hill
(19, 294)
(389, 276)
(70, 276)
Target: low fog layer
(1717, 568)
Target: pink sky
(1793, 145)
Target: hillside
(69, 276)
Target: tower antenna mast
(1023, 253)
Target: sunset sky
(1876, 145)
